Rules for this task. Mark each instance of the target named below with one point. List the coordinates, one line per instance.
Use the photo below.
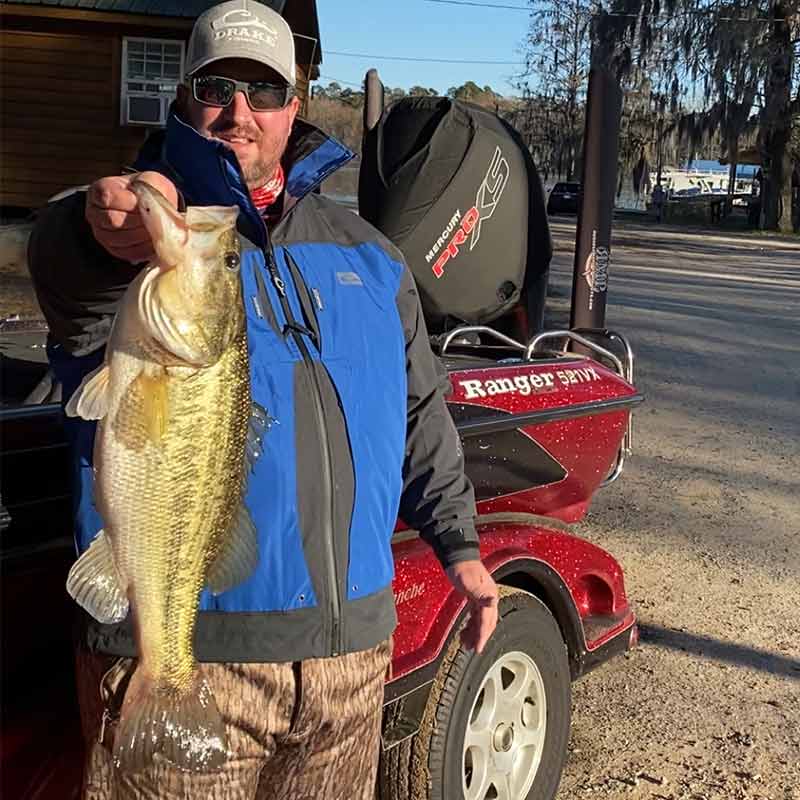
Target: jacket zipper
(327, 467)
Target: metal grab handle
(456, 332)
(576, 337)
(625, 371)
(627, 442)
(614, 336)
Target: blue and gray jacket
(340, 360)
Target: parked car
(542, 430)
(565, 198)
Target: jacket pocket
(367, 267)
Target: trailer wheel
(496, 725)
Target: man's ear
(294, 107)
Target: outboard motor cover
(454, 187)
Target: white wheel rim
(506, 731)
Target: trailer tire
(435, 765)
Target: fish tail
(182, 726)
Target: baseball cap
(242, 29)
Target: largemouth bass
(173, 404)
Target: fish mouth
(165, 224)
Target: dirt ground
(706, 523)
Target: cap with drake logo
(242, 29)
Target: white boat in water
(681, 183)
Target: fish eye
(232, 261)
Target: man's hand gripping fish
(170, 460)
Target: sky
(421, 29)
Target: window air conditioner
(146, 109)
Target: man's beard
(259, 173)
(256, 173)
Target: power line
(480, 5)
(429, 60)
(341, 80)
(684, 13)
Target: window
(151, 72)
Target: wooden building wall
(302, 88)
(60, 114)
(59, 103)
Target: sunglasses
(211, 90)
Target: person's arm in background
(438, 498)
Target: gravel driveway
(706, 522)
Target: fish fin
(94, 582)
(90, 399)
(260, 423)
(181, 726)
(237, 557)
(155, 403)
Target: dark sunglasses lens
(214, 91)
(267, 96)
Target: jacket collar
(208, 173)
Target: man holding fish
(266, 404)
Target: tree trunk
(732, 178)
(777, 193)
(572, 134)
(776, 197)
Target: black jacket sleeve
(438, 498)
(78, 284)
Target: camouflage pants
(301, 731)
